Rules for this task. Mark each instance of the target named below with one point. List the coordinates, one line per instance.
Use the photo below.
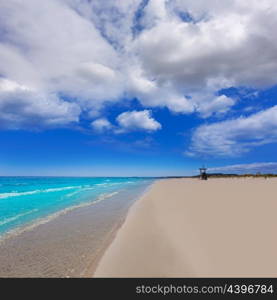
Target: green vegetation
(257, 175)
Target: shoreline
(91, 271)
(192, 228)
(70, 244)
(158, 232)
(13, 233)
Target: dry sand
(193, 228)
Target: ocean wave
(11, 219)
(109, 184)
(86, 188)
(73, 193)
(53, 216)
(17, 194)
(105, 196)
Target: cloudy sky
(137, 87)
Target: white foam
(53, 216)
(17, 194)
(11, 219)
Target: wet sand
(193, 228)
(68, 246)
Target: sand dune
(193, 228)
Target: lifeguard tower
(203, 174)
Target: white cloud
(128, 121)
(263, 167)
(95, 52)
(208, 105)
(237, 136)
(113, 18)
(223, 48)
(100, 125)
(51, 48)
(21, 107)
(137, 120)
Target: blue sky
(137, 88)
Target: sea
(26, 201)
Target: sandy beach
(69, 245)
(193, 228)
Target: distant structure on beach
(203, 174)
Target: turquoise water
(24, 200)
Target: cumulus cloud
(176, 54)
(219, 46)
(207, 105)
(237, 136)
(137, 120)
(102, 124)
(22, 107)
(151, 95)
(263, 167)
(219, 50)
(51, 48)
(128, 121)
